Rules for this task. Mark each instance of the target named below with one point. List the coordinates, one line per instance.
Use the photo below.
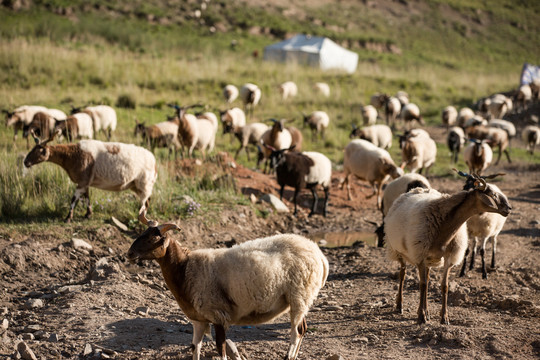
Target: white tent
(312, 50)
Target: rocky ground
(68, 300)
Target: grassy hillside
(60, 53)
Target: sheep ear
(292, 148)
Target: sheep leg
(298, 330)
(444, 293)
(499, 157)
(199, 328)
(88, 204)
(464, 266)
(399, 299)
(493, 250)
(346, 180)
(74, 201)
(423, 273)
(507, 155)
(281, 192)
(482, 254)
(326, 196)
(315, 201)
(295, 196)
(220, 341)
(473, 255)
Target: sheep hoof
(444, 321)
(67, 220)
(422, 319)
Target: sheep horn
(273, 120)
(166, 227)
(174, 106)
(482, 186)
(493, 176)
(36, 138)
(461, 173)
(144, 220)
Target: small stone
(5, 324)
(32, 328)
(333, 308)
(275, 202)
(433, 342)
(335, 357)
(54, 337)
(363, 339)
(25, 351)
(118, 223)
(28, 336)
(142, 310)
(253, 199)
(33, 304)
(87, 349)
(80, 244)
(323, 242)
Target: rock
(32, 328)
(5, 324)
(232, 351)
(28, 336)
(333, 308)
(33, 304)
(275, 202)
(87, 349)
(25, 351)
(54, 337)
(80, 244)
(119, 224)
(142, 310)
(103, 270)
(253, 198)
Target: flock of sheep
(258, 280)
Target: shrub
(126, 101)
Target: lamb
(250, 95)
(531, 137)
(247, 134)
(478, 156)
(322, 88)
(251, 283)
(449, 116)
(277, 137)
(497, 137)
(288, 89)
(418, 151)
(378, 135)
(103, 118)
(230, 93)
(318, 123)
(369, 115)
(107, 166)
(392, 110)
(464, 115)
(76, 126)
(423, 227)
(302, 170)
(370, 163)
(486, 226)
(455, 141)
(196, 133)
(163, 135)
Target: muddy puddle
(338, 239)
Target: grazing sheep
(302, 170)
(250, 95)
(378, 135)
(163, 135)
(418, 151)
(369, 115)
(403, 98)
(523, 97)
(288, 89)
(497, 137)
(103, 118)
(23, 116)
(235, 118)
(230, 93)
(107, 166)
(370, 163)
(498, 106)
(318, 123)
(277, 138)
(247, 134)
(449, 116)
(42, 124)
(76, 126)
(478, 156)
(250, 283)
(455, 141)
(464, 115)
(196, 133)
(322, 88)
(486, 226)
(427, 228)
(475, 121)
(410, 113)
(531, 137)
(392, 110)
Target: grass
(57, 62)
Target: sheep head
(153, 242)
(41, 151)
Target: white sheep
(399, 186)
(196, 133)
(409, 113)
(103, 118)
(505, 125)
(497, 106)
(418, 151)
(250, 95)
(288, 90)
(108, 166)
(318, 122)
(230, 93)
(23, 116)
(531, 137)
(449, 116)
(427, 229)
(247, 134)
(455, 141)
(234, 117)
(379, 135)
(403, 97)
(322, 88)
(478, 156)
(523, 97)
(369, 115)
(475, 120)
(76, 126)
(392, 110)
(251, 283)
(163, 134)
(370, 163)
(464, 114)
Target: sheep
(392, 110)
(423, 227)
(108, 166)
(497, 137)
(235, 118)
(486, 226)
(302, 170)
(411, 112)
(251, 283)
(322, 88)
(230, 93)
(196, 133)
(498, 106)
(247, 134)
(103, 118)
(478, 156)
(418, 151)
(250, 95)
(163, 134)
(449, 116)
(378, 100)
(76, 126)
(42, 124)
(318, 123)
(23, 116)
(505, 125)
(277, 137)
(464, 114)
(370, 163)
(535, 89)
(523, 97)
(403, 98)
(369, 115)
(455, 141)
(378, 135)
(531, 137)
(296, 137)
(288, 89)
(475, 121)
